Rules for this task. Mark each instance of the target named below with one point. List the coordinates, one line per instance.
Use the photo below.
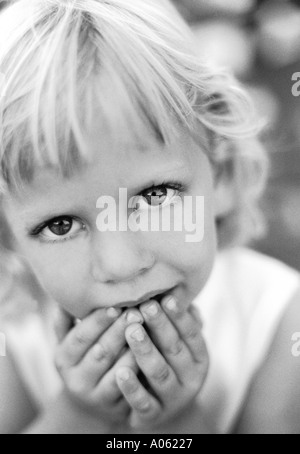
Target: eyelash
(169, 185)
(36, 233)
(62, 240)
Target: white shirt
(241, 307)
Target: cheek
(196, 243)
(187, 256)
(65, 280)
(194, 260)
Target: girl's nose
(119, 257)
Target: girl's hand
(174, 362)
(88, 356)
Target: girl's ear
(224, 192)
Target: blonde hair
(135, 57)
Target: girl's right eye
(62, 228)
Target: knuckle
(192, 334)
(105, 354)
(82, 338)
(162, 375)
(143, 405)
(145, 350)
(175, 349)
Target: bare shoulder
(16, 408)
(273, 404)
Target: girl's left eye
(158, 196)
(59, 229)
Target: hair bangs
(127, 68)
(78, 64)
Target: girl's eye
(158, 196)
(59, 229)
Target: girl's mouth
(161, 296)
(150, 296)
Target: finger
(108, 395)
(188, 327)
(104, 353)
(144, 406)
(108, 390)
(84, 335)
(195, 313)
(110, 345)
(167, 339)
(157, 371)
(63, 323)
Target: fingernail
(123, 374)
(113, 312)
(138, 335)
(133, 317)
(171, 303)
(151, 309)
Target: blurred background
(260, 41)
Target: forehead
(113, 165)
(126, 156)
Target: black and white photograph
(147, 318)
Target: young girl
(107, 95)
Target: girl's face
(83, 268)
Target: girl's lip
(158, 294)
